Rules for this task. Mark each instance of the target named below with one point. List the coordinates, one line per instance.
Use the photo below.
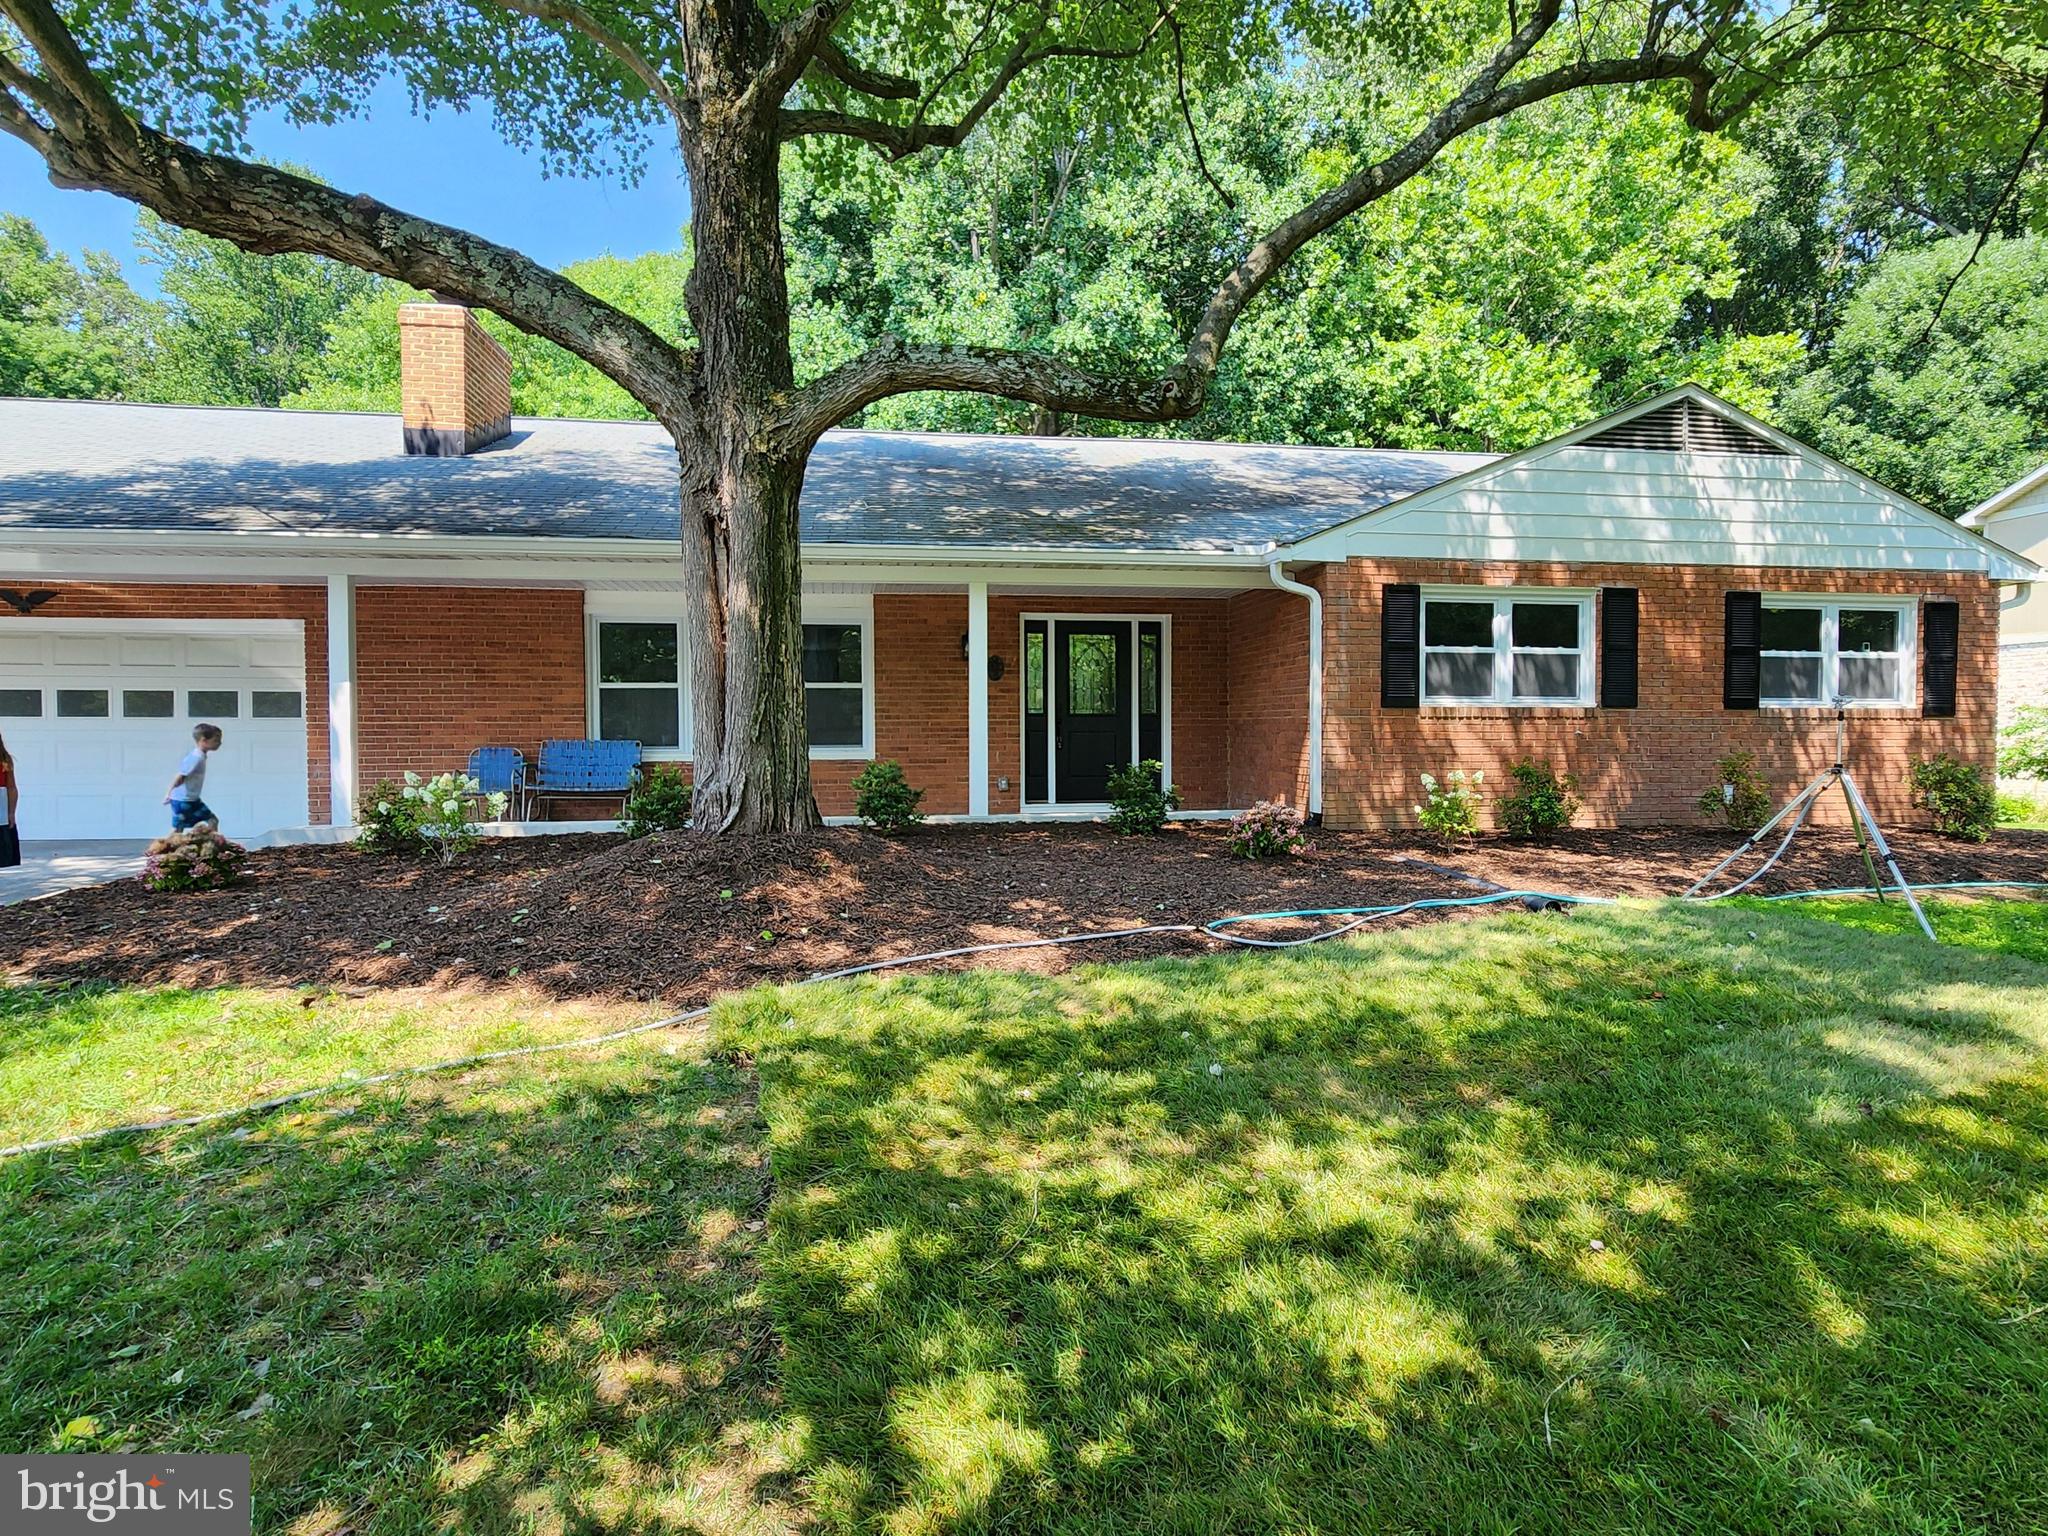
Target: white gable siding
(1576, 504)
(2022, 527)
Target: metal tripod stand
(1799, 807)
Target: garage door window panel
(21, 703)
(81, 703)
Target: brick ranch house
(1010, 618)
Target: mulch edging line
(678, 919)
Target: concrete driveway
(48, 867)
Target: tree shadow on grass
(1612, 1223)
(524, 1299)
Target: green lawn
(1638, 1219)
(2000, 924)
(1633, 1219)
(522, 1299)
(79, 1058)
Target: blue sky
(451, 166)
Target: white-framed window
(837, 698)
(1816, 650)
(639, 677)
(1484, 645)
(641, 691)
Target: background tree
(239, 327)
(357, 367)
(65, 329)
(731, 83)
(1949, 415)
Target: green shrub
(387, 821)
(197, 859)
(1740, 795)
(1955, 796)
(1266, 831)
(1140, 797)
(1540, 803)
(883, 798)
(660, 802)
(1450, 810)
(2023, 745)
(2021, 811)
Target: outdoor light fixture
(995, 663)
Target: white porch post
(977, 698)
(341, 700)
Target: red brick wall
(175, 600)
(1646, 765)
(1268, 661)
(443, 670)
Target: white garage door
(97, 717)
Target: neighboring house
(2017, 517)
(1011, 618)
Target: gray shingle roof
(88, 465)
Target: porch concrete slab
(49, 867)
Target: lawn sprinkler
(1792, 816)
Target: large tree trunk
(743, 580)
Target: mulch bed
(678, 919)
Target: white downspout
(1315, 680)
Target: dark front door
(1091, 707)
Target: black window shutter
(1618, 647)
(1940, 626)
(1400, 645)
(1742, 666)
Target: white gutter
(1315, 680)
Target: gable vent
(1683, 426)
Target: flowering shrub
(198, 859)
(1450, 810)
(1267, 830)
(387, 821)
(441, 809)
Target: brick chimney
(455, 382)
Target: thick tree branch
(94, 144)
(899, 140)
(796, 48)
(892, 367)
(880, 84)
(567, 13)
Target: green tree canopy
(357, 368)
(239, 327)
(1540, 273)
(66, 329)
(1949, 415)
